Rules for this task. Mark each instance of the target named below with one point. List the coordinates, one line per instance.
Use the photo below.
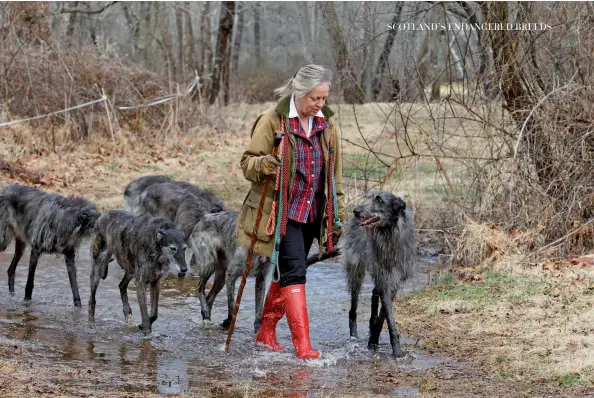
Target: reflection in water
(182, 355)
(172, 376)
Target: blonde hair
(307, 78)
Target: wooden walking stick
(277, 140)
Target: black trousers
(294, 247)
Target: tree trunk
(382, 62)
(189, 38)
(220, 76)
(71, 22)
(306, 32)
(162, 25)
(257, 34)
(131, 30)
(205, 48)
(366, 38)
(438, 61)
(482, 43)
(237, 41)
(179, 24)
(352, 93)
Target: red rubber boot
(296, 310)
(273, 311)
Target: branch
(84, 11)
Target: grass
(520, 325)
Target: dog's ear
(398, 205)
(159, 235)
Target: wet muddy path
(183, 355)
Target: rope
(271, 224)
(5, 124)
(284, 192)
(281, 183)
(157, 102)
(330, 203)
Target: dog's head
(381, 209)
(87, 218)
(172, 250)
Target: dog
(134, 192)
(49, 223)
(217, 252)
(379, 239)
(178, 204)
(146, 248)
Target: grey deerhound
(216, 250)
(379, 239)
(178, 204)
(134, 192)
(146, 248)
(49, 223)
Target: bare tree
(308, 54)
(179, 24)
(71, 21)
(257, 34)
(352, 92)
(220, 76)
(238, 33)
(166, 42)
(382, 62)
(366, 38)
(189, 36)
(205, 46)
(131, 25)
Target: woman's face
(312, 102)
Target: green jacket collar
(282, 108)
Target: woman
(305, 199)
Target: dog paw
(399, 354)
(373, 346)
(128, 319)
(145, 330)
(206, 323)
(226, 323)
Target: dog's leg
(124, 294)
(31, 277)
(19, 249)
(145, 326)
(387, 300)
(260, 293)
(95, 279)
(219, 282)
(355, 279)
(202, 295)
(100, 255)
(376, 321)
(155, 288)
(71, 267)
(233, 273)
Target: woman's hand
(269, 163)
(336, 234)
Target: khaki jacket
(262, 140)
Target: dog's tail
(6, 233)
(314, 259)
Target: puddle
(183, 355)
